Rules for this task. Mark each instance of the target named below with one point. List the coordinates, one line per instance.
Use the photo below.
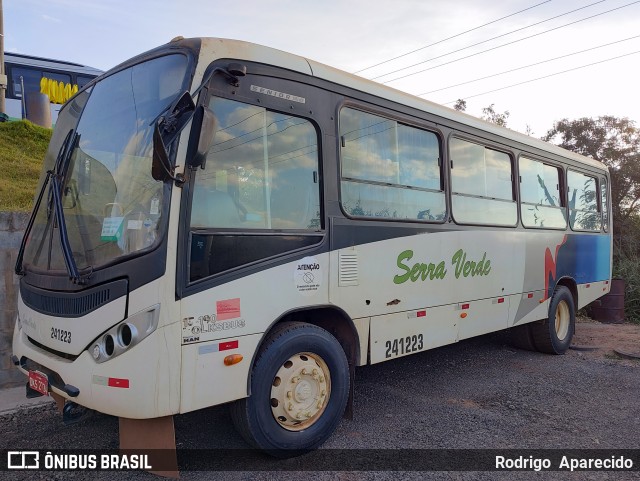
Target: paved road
(476, 394)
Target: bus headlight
(125, 335)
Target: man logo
(23, 460)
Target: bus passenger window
(481, 185)
(389, 170)
(583, 202)
(27, 78)
(542, 204)
(259, 195)
(265, 165)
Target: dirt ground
(596, 340)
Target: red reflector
(114, 382)
(465, 306)
(501, 300)
(606, 282)
(530, 295)
(421, 313)
(588, 286)
(225, 346)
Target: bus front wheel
(553, 335)
(299, 391)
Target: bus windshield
(112, 205)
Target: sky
(455, 44)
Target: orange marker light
(463, 315)
(233, 359)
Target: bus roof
(49, 63)
(213, 48)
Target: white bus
(27, 74)
(221, 222)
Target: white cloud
(49, 18)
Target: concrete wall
(12, 226)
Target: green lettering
(428, 271)
(406, 255)
(458, 260)
(487, 268)
(415, 272)
(440, 271)
(422, 271)
(468, 268)
(478, 271)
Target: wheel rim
(563, 320)
(300, 391)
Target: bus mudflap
(155, 437)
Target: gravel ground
(477, 394)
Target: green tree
(616, 143)
(460, 105)
(489, 113)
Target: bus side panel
(427, 270)
(481, 317)
(207, 380)
(233, 318)
(403, 333)
(528, 307)
(589, 292)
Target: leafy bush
(626, 264)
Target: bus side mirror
(165, 131)
(202, 138)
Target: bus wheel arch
(570, 284)
(553, 335)
(331, 319)
(300, 386)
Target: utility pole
(3, 73)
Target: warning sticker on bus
(228, 309)
(307, 276)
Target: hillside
(22, 149)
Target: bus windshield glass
(112, 205)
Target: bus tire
(299, 391)
(553, 335)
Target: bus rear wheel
(299, 391)
(553, 335)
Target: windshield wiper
(55, 180)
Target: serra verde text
(431, 271)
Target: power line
(506, 44)
(449, 38)
(527, 66)
(490, 39)
(544, 77)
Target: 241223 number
(404, 345)
(61, 335)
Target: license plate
(39, 382)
